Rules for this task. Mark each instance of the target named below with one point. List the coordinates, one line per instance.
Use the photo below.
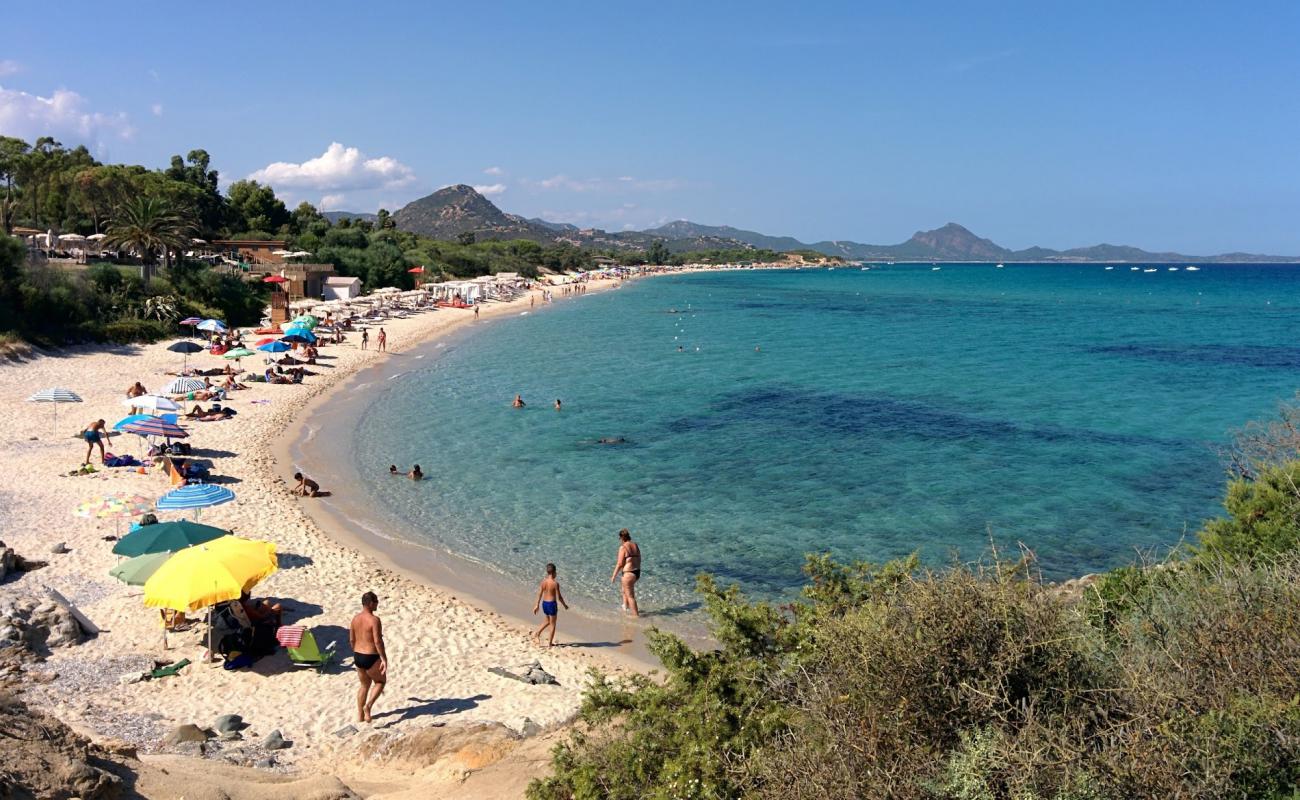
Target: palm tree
(150, 225)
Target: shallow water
(1073, 409)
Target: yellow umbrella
(206, 574)
(209, 573)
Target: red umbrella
(275, 279)
(267, 340)
(416, 269)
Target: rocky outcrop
(42, 757)
(446, 753)
(36, 626)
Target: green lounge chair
(308, 654)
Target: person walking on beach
(365, 337)
(94, 434)
(383, 341)
(548, 593)
(476, 311)
(629, 563)
(366, 637)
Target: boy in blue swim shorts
(549, 598)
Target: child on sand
(547, 595)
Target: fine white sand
(440, 646)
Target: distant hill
(335, 216)
(453, 210)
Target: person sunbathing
(261, 610)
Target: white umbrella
(212, 325)
(153, 402)
(95, 237)
(72, 237)
(198, 241)
(55, 396)
(281, 253)
(184, 386)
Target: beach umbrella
(152, 402)
(265, 340)
(212, 325)
(191, 321)
(124, 421)
(185, 347)
(55, 396)
(184, 386)
(238, 353)
(95, 237)
(275, 279)
(136, 571)
(273, 347)
(166, 537)
(210, 573)
(196, 496)
(206, 574)
(153, 426)
(114, 506)
(306, 321)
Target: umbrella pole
(212, 657)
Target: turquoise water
(1073, 409)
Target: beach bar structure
(306, 280)
(257, 251)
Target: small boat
(1153, 269)
(1173, 269)
(1134, 269)
(864, 269)
(1001, 266)
(935, 269)
(1192, 269)
(1109, 268)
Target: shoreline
(496, 594)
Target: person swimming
(415, 474)
(392, 469)
(557, 404)
(519, 401)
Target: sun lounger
(305, 653)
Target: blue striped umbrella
(124, 421)
(273, 347)
(184, 386)
(55, 396)
(299, 335)
(152, 426)
(196, 496)
(212, 325)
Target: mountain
(457, 209)
(335, 216)
(682, 229)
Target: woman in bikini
(629, 564)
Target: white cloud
(332, 202)
(156, 109)
(562, 182)
(491, 190)
(63, 115)
(9, 67)
(494, 171)
(338, 168)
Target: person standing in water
(548, 593)
(366, 637)
(629, 563)
(557, 404)
(519, 401)
(383, 341)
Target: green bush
(127, 331)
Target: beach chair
(301, 646)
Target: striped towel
(290, 635)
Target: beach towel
(290, 635)
(170, 670)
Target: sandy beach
(441, 644)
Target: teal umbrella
(135, 571)
(166, 537)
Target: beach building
(338, 287)
(306, 280)
(258, 251)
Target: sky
(1165, 125)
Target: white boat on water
(1192, 269)
(1109, 268)
(1153, 269)
(1134, 269)
(935, 269)
(1173, 269)
(1001, 266)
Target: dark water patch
(1211, 355)
(858, 416)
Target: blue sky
(1172, 125)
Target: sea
(1075, 412)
